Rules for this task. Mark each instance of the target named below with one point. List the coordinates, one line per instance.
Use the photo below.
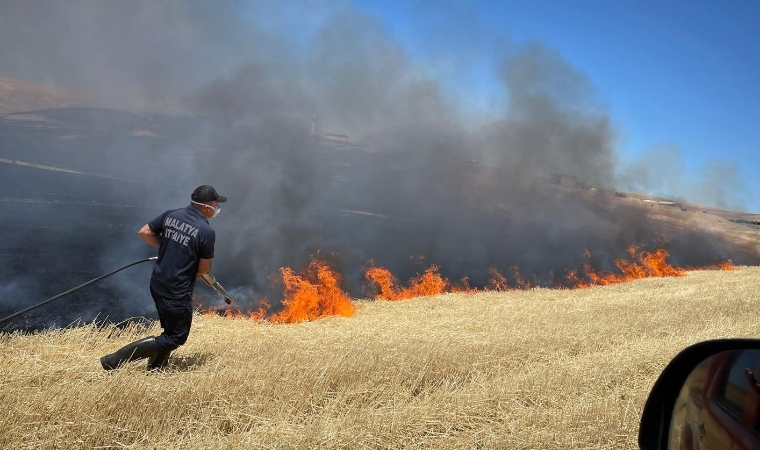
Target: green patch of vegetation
(745, 221)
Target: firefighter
(185, 242)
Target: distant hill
(18, 96)
(23, 96)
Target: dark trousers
(176, 316)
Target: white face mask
(217, 210)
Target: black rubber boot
(159, 362)
(144, 348)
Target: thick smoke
(553, 124)
(136, 55)
(248, 80)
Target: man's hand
(149, 236)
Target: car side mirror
(707, 397)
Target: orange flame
(650, 264)
(498, 282)
(645, 264)
(725, 265)
(464, 286)
(260, 313)
(316, 292)
(234, 312)
(429, 283)
(574, 281)
(519, 280)
(310, 295)
(313, 294)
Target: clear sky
(680, 74)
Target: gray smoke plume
(553, 124)
(255, 87)
(136, 55)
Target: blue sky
(672, 73)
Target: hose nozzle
(220, 291)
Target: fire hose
(207, 278)
(18, 313)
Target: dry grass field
(539, 369)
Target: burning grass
(531, 369)
(312, 295)
(642, 264)
(315, 292)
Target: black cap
(206, 193)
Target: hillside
(734, 229)
(18, 96)
(521, 369)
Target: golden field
(538, 369)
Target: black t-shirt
(186, 237)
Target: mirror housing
(655, 425)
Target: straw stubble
(536, 369)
